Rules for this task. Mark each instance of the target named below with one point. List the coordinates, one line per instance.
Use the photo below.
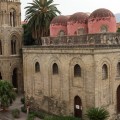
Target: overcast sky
(68, 7)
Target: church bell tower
(10, 13)
(11, 43)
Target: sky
(68, 7)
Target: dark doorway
(15, 78)
(0, 76)
(118, 99)
(77, 107)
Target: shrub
(16, 113)
(23, 100)
(61, 118)
(23, 109)
(97, 114)
(31, 116)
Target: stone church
(11, 43)
(77, 66)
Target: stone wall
(55, 93)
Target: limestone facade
(11, 43)
(54, 89)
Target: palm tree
(97, 114)
(39, 15)
(7, 94)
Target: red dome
(101, 20)
(102, 12)
(58, 26)
(60, 20)
(77, 24)
(79, 17)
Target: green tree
(39, 15)
(27, 35)
(118, 30)
(7, 94)
(97, 114)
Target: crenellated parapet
(84, 40)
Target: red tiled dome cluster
(100, 20)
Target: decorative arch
(77, 67)
(56, 62)
(106, 64)
(16, 79)
(55, 78)
(15, 42)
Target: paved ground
(16, 104)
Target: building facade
(77, 67)
(11, 43)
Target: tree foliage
(118, 30)
(7, 93)
(27, 36)
(39, 15)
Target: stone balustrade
(89, 39)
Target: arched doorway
(77, 107)
(0, 76)
(118, 99)
(15, 78)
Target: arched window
(12, 17)
(77, 71)
(104, 29)
(118, 69)
(37, 67)
(13, 45)
(81, 31)
(104, 72)
(55, 69)
(61, 33)
(0, 47)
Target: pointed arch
(104, 72)
(77, 107)
(77, 71)
(37, 67)
(13, 44)
(55, 69)
(12, 17)
(15, 78)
